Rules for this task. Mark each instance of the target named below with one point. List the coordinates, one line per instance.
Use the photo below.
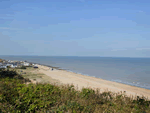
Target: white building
(13, 66)
(9, 65)
(3, 67)
(26, 64)
(11, 61)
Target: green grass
(17, 97)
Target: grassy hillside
(18, 97)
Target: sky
(111, 28)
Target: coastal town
(4, 64)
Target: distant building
(11, 61)
(13, 66)
(26, 64)
(9, 65)
(3, 67)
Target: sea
(130, 71)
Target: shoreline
(122, 81)
(82, 81)
(59, 68)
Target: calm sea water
(131, 71)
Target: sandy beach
(81, 81)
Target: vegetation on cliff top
(18, 97)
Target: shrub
(86, 92)
(8, 67)
(16, 97)
(23, 67)
(7, 73)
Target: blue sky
(112, 28)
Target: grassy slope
(15, 96)
(34, 75)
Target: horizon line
(74, 56)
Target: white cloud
(82, 0)
(8, 28)
(4, 28)
(118, 49)
(140, 11)
(142, 48)
(138, 49)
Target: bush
(16, 97)
(7, 73)
(8, 67)
(23, 67)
